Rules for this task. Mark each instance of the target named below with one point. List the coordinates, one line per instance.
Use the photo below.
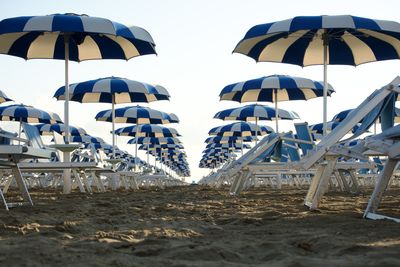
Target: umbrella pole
(148, 156)
(67, 172)
(113, 122)
(325, 100)
(276, 110)
(136, 140)
(256, 130)
(241, 145)
(20, 129)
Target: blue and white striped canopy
(343, 114)
(318, 128)
(263, 89)
(28, 114)
(89, 38)
(159, 147)
(255, 112)
(104, 89)
(147, 130)
(228, 139)
(4, 97)
(137, 115)
(86, 139)
(228, 146)
(240, 129)
(351, 40)
(48, 129)
(103, 146)
(154, 140)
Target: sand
(197, 226)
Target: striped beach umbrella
(4, 97)
(113, 90)
(343, 114)
(318, 127)
(154, 140)
(240, 129)
(274, 88)
(147, 130)
(138, 115)
(256, 113)
(23, 113)
(228, 139)
(86, 139)
(48, 129)
(72, 37)
(323, 40)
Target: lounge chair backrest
(6, 137)
(291, 148)
(58, 138)
(303, 133)
(33, 135)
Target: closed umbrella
(323, 40)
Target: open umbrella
(138, 115)
(256, 113)
(240, 129)
(274, 88)
(48, 129)
(147, 130)
(113, 90)
(316, 40)
(22, 113)
(72, 37)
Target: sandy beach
(197, 226)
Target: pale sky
(194, 41)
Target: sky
(194, 42)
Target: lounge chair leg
(99, 183)
(21, 185)
(8, 184)
(4, 200)
(279, 181)
(313, 185)
(380, 187)
(322, 184)
(344, 181)
(356, 186)
(78, 181)
(85, 181)
(135, 185)
(242, 179)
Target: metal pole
(136, 140)
(113, 122)
(20, 129)
(256, 130)
(67, 187)
(66, 93)
(276, 109)
(325, 97)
